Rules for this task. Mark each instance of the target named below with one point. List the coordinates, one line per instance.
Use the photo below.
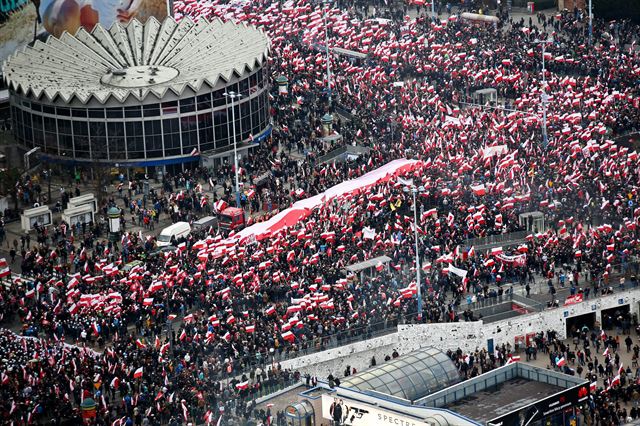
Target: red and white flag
(138, 373)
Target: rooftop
(136, 59)
(502, 399)
(409, 377)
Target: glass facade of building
(144, 132)
(411, 376)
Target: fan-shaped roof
(136, 59)
(411, 376)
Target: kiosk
(86, 199)
(38, 215)
(300, 414)
(533, 221)
(78, 215)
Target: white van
(177, 230)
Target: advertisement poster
(22, 21)
(18, 25)
(548, 407)
(59, 16)
(351, 413)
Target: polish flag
(615, 381)
(429, 213)
(164, 348)
(148, 301)
(593, 386)
(289, 337)
(140, 344)
(138, 373)
(5, 271)
(496, 251)
(270, 310)
(513, 358)
(250, 329)
(560, 362)
(243, 385)
(606, 352)
(183, 335)
(479, 190)
(157, 343)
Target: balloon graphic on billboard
(23, 21)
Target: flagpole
(414, 191)
(233, 96)
(590, 24)
(326, 45)
(543, 96)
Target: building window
(65, 138)
(187, 105)
(135, 141)
(114, 112)
(221, 128)
(204, 102)
(245, 109)
(170, 108)
(153, 138)
(28, 128)
(205, 129)
(50, 136)
(218, 98)
(38, 130)
(132, 111)
(81, 139)
(189, 131)
(96, 112)
(79, 112)
(171, 131)
(98, 141)
(244, 87)
(152, 110)
(115, 139)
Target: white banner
(457, 271)
(368, 233)
(494, 150)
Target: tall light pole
(433, 10)
(590, 24)
(233, 96)
(414, 191)
(544, 97)
(326, 46)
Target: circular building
(139, 95)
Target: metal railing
(332, 154)
(510, 238)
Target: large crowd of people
(189, 334)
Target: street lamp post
(326, 46)
(414, 191)
(233, 96)
(590, 24)
(544, 97)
